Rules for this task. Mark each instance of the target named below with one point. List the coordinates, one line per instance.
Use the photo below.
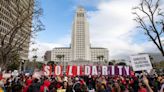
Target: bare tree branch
(20, 15)
(153, 27)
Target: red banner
(58, 70)
(73, 70)
(47, 70)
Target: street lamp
(20, 58)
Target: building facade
(47, 56)
(80, 51)
(11, 24)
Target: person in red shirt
(44, 87)
(28, 83)
(142, 88)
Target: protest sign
(47, 70)
(74, 70)
(6, 75)
(141, 62)
(89, 70)
(58, 70)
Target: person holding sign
(146, 82)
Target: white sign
(141, 62)
(6, 75)
(15, 73)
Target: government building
(80, 51)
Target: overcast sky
(110, 22)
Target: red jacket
(28, 83)
(46, 84)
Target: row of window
(5, 24)
(3, 29)
(80, 14)
(80, 22)
(8, 11)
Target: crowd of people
(29, 83)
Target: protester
(114, 83)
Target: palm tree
(110, 63)
(121, 63)
(105, 61)
(60, 57)
(113, 62)
(100, 57)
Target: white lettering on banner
(87, 70)
(46, 70)
(127, 70)
(104, 70)
(120, 69)
(70, 71)
(58, 70)
(113, 69)
(94, 70)
(78, 70)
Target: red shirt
(142, 90)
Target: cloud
(87, 3)
(42, 47)
(112, 27)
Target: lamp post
(34, 59)
(34, 50)
(20, 58)
(60, 57)
(63, 64)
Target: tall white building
(80, 45)
(80, 51)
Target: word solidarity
(86, 70)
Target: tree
(34, 60)
(100, 57)
(29, 65)
(14, 65)
(105, 61)
(110, 63)
(50, 63)
(150, 17)
(113, 62)
(121, 63)
(60, 57)
(22, 17)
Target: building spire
(80, 9)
